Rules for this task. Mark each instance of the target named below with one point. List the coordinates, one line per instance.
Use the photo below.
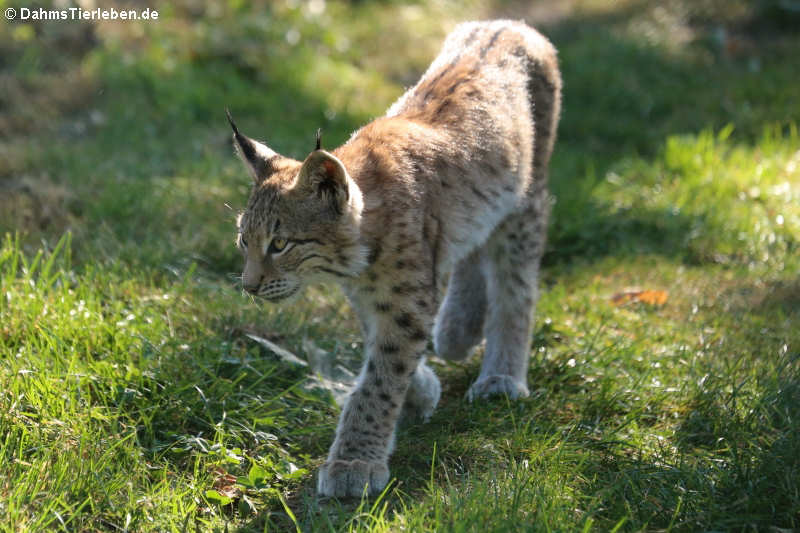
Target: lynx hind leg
(459, 324)
(514, 250)
(422, 396)
(516, 246)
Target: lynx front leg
(364, 439)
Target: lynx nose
(251, 287)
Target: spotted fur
(451, 181)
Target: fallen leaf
(225, 484)
(649, 297)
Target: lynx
(452, 180)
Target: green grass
(132, 398)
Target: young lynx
(452, 180)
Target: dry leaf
(225, 483)
(645, 297)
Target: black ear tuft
(245, 144)
(230, 121)
(256, 156)
(319, 138)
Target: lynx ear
(256, 156)
(324, 175)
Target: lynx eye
(277, 244)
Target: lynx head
(301, 223)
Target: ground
(141, 391)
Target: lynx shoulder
(449, 186)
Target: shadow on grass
(732, 464)
(740, 438)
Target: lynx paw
(344, 479)
(496, 386)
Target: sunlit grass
(704, 198)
